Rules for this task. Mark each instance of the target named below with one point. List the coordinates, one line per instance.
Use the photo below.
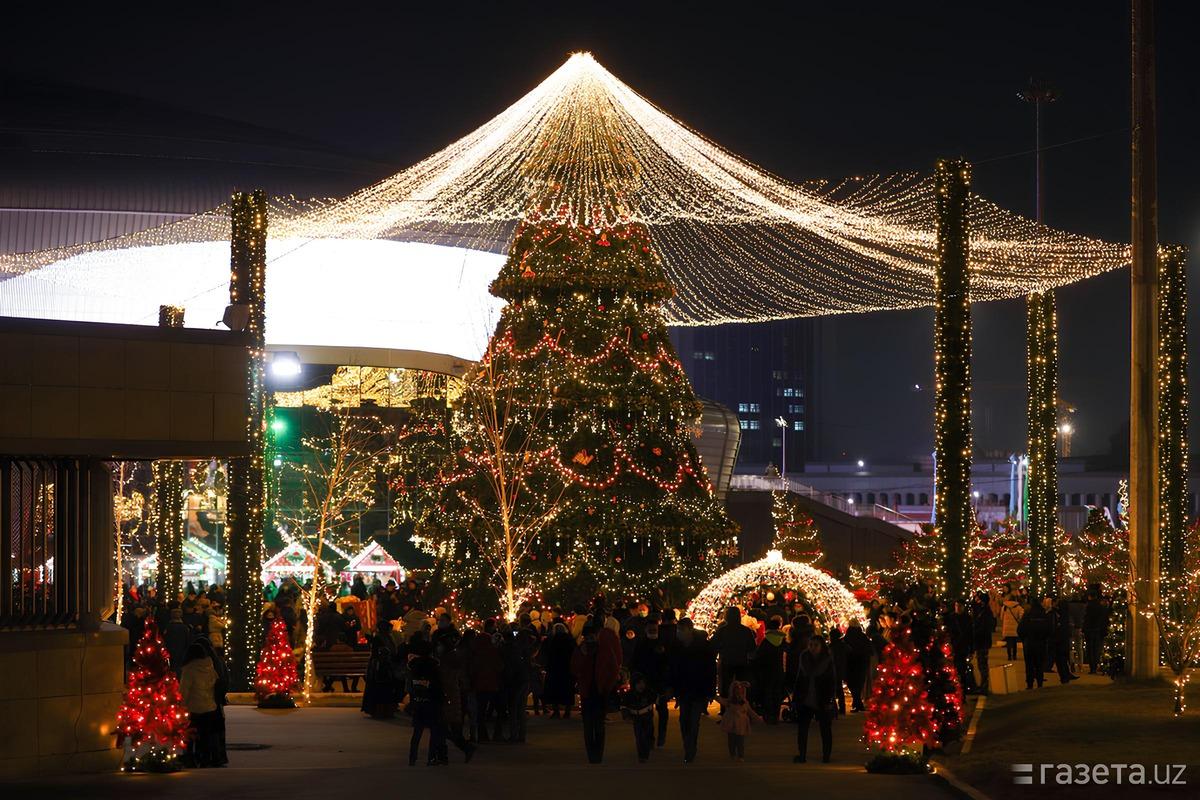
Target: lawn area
(1092, 722)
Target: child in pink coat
(736, 717)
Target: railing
(770, 483)
(43, 509)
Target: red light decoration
(153, 715)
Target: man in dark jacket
(484, 669)
(961, 631)
(858, 661)
(734, 644)
(1095, 627)
(177, 638)
(983, 629)
(1034, 631)
(815, 697)
(1061, 635)
(651, 660)
(425, 688)
(693, 674)
(596, 665)
(767, 685)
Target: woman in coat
(815, 696)
(198, 685)
(560, 685)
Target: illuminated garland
(833, 603)
(166, 521)
(739, 243)
(1172, 425)
(247, 489)
(952, 375)
(1042, 422)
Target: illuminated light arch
(831, 600)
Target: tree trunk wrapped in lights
(167, 524)
(952, 373)
(582, 383)
(1172, 416)
(244, 521)
(1042, 421)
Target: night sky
(805, 92)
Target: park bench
(340, 663)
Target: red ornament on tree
(276, 674)
(153, 715)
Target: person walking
(425, 688)
(1095, 626)
(1011, 613)
(734, 643)
(484, 671)
(1061, 635)
(637, 705)
(961, 632)
(693, 675)
(560, 686)
(737, 715)
(767, 669)
(596, 666)
(858, 660)
(650, 659)
(815, 697)
(1034, 630)
(983, 628)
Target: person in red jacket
(596, 665)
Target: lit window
(789, 392)
(794, 408)
(710, 356)
(779, 375)
(798, 425)
(744, 408)
(753, 424)
(754, 408)
(743, 424)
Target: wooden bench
(341, 663)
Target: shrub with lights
(901, 723)
(276, 673)
(153, 718)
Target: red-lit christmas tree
(276, 669)
(901, 722)
(153, 715)
(942, 684)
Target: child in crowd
(736, 718)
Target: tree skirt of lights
(832, 601)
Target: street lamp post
(782, 423)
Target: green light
(278, 426)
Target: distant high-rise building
(762, 372)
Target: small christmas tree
(919, 560)
(1103, 552)
(901, 722)
(796, 534)
(276, 669)
(942, 683)
(1001, 558)
(153, 716)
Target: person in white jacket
(1010, 617)
(198, 685)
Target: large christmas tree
(583, 386)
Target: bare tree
(507, 490)
(338, 480)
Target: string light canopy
(739, 244)
(832, 601)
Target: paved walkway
(336, 752)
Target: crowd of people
(468, 683)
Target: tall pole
(1143, 372)
(1042, 385)
(952, 373)
(247, 496)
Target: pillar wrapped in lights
(952, 372)
(1172, 413)
(167, 505)
(167, 524)
(244, 527)
(1042, 421)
